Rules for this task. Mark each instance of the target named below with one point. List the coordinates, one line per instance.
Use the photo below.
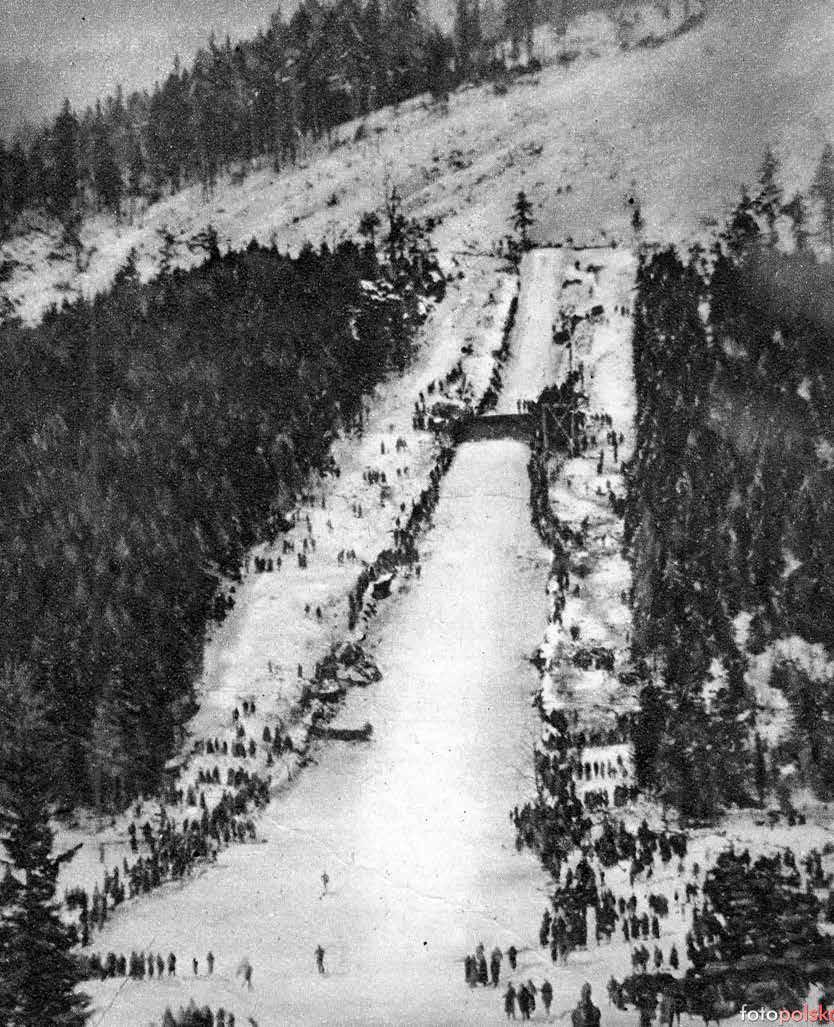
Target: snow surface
(533, 368)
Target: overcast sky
(45, 28)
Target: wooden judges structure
(553, 424)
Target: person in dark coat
(172, 965)
(547, 995)
(509, 1001)
(512, 954)
(586, 1013)
(320, 959)
(524, 1002)
(495, 965)
(532, 991)
(483, 974)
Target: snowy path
(413, 830)
(534, 366)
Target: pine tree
(512, 25)
(520, 21)
(169, 131)
(522, 218)
(476, 32)
(404, 47)
(438, 73)
(395, 238)
(37, 176)
(17, 174)
(760, 769)
(467, 32)
(135, 166)
(377, 84)
(38, 973)
(107, 178)
(64, 184)
(167, 250)
(812, 707)
(742, 231)
(647, 734)
(797, 210)
(769, 200)
(208, 121)
(822, 189)
(368, 224)
(106, 750)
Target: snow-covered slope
(679, 128)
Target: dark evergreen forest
(731, 498)
(148, 437)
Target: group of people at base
(202, 1016)
(585, 1014)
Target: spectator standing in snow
(495, 965)
(524, 998)
(586, 1013)
(509, 1001)
(245, 970)
(547, 996)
